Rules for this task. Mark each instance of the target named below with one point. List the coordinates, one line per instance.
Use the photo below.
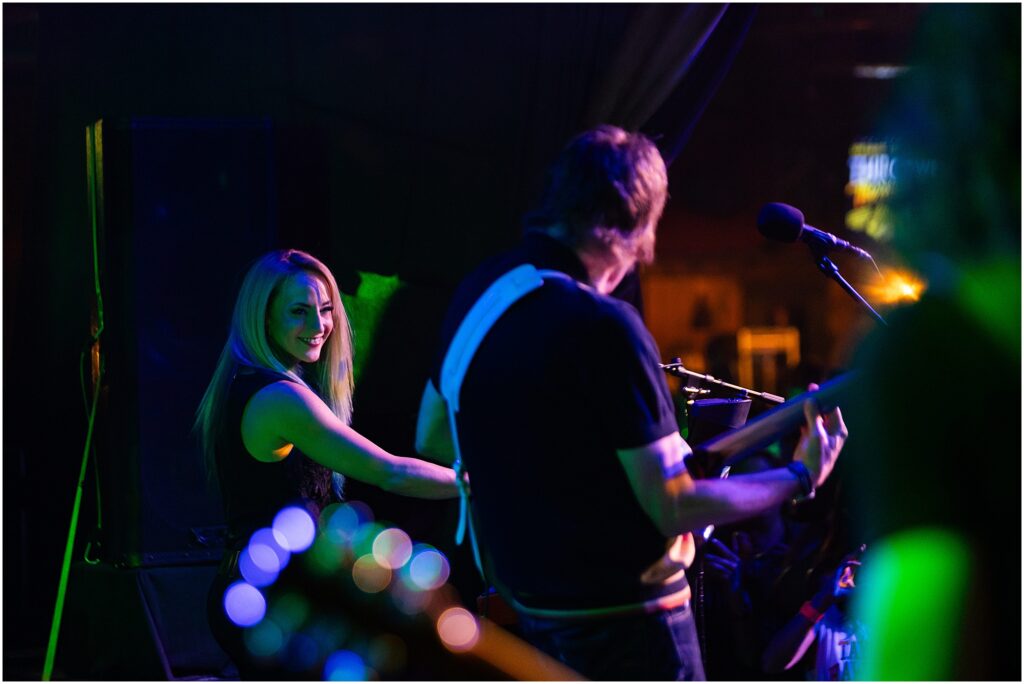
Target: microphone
(778, 221)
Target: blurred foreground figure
(580, 500)
(940, 468)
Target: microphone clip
(830, 270)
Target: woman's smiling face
(300, 319)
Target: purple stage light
(294, 528)
(244, 604)
(267, 551)
(252, 563)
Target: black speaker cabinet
(180, 208)
(139, 624)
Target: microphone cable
(94, 182)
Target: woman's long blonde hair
(248, 346)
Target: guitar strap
(492, 304)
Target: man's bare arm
(677, 503)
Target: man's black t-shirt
(564, 378)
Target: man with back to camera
(581, 503)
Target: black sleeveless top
(254, 491)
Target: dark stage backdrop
(407, 142)
(183, 207)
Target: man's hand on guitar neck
(821, 441)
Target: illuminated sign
(875, 169)
(872, 175)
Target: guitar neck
(733, 446)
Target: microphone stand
(828, 267)
(676, 368)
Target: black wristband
(803, 475)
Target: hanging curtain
(667, 67)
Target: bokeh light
(428, 568)
(290, 611)
(294, 529)
(244, 604)
(896, 287)
(900, 578)
(302, 653)
(369, 575)
(258, 565)
(344, 666)
(409, 598)
(387, 653)
(392, 548)
(289, 630)
(327, 513)
(264, 640)
(458, 629)
(329, 632)
(362, 540)
(340, 522)
(326, 556)
(266, 551)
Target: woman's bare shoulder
(285, 412)
(273, 413)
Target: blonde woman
(274, 421)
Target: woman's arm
(791, 642)
(288, 413)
